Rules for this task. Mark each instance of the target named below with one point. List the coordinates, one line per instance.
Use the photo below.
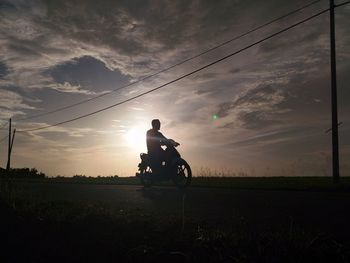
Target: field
(215, 220)
(276, 183)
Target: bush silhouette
(22, 173)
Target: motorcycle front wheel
(183, 175)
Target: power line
(172, 66)
(341, 4)
(330, 129)
(181, 77)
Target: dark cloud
(304, 97)
(257, 120)
(133, 27)
(234, 70)
(224, 109)
(3, 70)
(25, 94)
(89, 73)
(254, 109)
(7, 5)
(105, 23)
(260, 94)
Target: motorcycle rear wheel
(182, 177)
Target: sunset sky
(272, 101)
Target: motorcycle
(174, 168)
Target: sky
(271, 102)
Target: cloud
(42, 34)
(256, 108)
(136, 39)
(54, 136)
(83, 48)
(3, 70)
(89, 73)
(11, 104)
(69, 88)
(275, 136)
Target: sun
(136, 138)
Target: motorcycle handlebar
(172, 142)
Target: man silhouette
(155, 139)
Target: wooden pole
(13, 138)
(9, 150)
(335, 136)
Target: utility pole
(335, 137)
(8, 184)
(9, 149)
(10, 145)
(13, 138)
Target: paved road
(321, 210)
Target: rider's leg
(169, 158)
(156, 165)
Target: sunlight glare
(136, 138)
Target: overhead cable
(181, 77)
(172, 66)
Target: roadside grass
(273, 183)
(66, 231)
(269, 183)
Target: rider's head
(156, 124)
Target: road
(328, 211)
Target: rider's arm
(162, 138)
